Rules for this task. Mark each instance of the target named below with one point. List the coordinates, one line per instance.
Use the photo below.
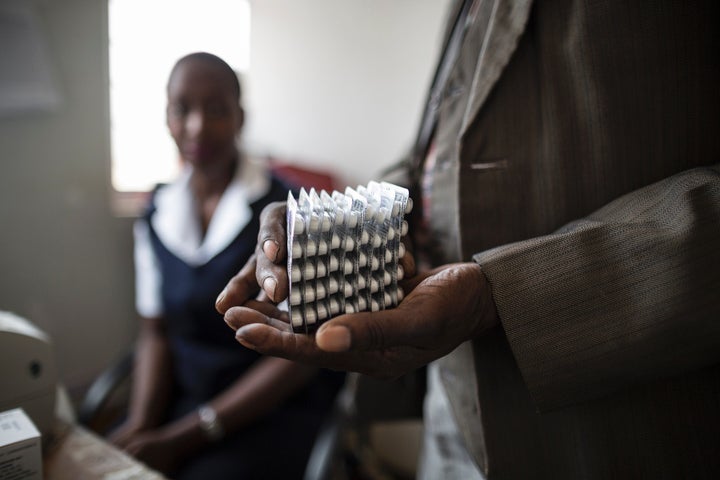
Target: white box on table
(20, 447)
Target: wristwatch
(210, 423)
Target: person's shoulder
(151, 203)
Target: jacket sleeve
(628, 294)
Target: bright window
(146, 38)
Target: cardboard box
(20, 447)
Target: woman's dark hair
(215, 60)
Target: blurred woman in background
(201, 406)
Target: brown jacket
(575, 145)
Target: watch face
(210, 423)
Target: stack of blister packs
(343, 251)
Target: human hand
(266, 267)
(124, 434)
(442, 309)
(155, 448)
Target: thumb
(364, 331)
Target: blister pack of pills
(344, 251)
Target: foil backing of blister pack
(344, 251)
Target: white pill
(348, 267)
(347, 290)
(388, 256)
(339, 216)
(295, 274)
(313, 271)
(381, 215)
(400, 272)
(314, 224)
(320, 270)
(322, 311)
(374, 285)
(309, 294)
(322, 247)
(311, 248)
(349, 308)
(391, 233)
(377, 241)
(387, 299)
(374, 306)
(334, 306)
(404, 228)
(299, 227)
(352, 220)
(374, 264)
(401, 250)
(362, 259)
(409, 205)
(296, 250)
(295, 298)
(326, 222)
(362, 304)
(296, 315)
(400, 294)
(333, 285)
(361, 283)
(349, 244)
(335, 241)
(364, 238)
(386, 278)
(310, 316)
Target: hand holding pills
(442, 309)
(439, 309)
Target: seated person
(201, 407)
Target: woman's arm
(152, 382)
(262, 388)
(152, 378)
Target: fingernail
(269, 285)
(334, 339)
(271, 248)
(221, 296)
(243, 341)
(230, 322)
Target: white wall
(64, 257)
(340, 83)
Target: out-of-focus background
(330, 85)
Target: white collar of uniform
(178, 226)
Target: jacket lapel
(508, 19)
(507, 22)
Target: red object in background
(302, 176)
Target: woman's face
(203, 114)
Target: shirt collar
(177, 225)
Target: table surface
(74, 453)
